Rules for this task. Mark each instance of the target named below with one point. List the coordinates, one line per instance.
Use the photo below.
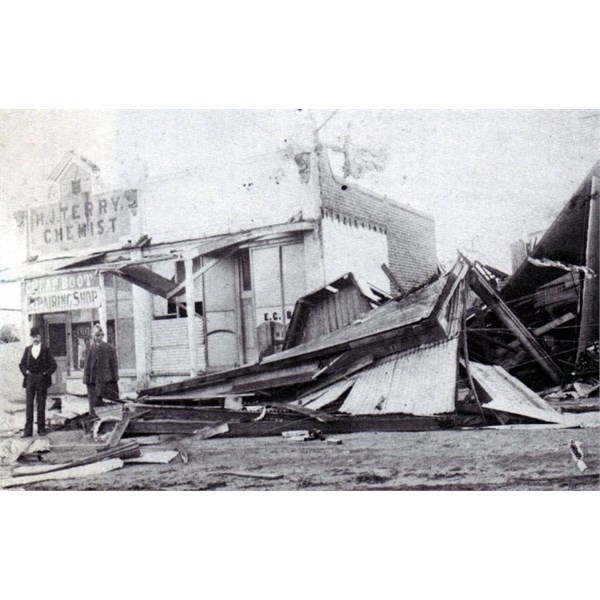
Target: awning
(220, 243)
(36, 269)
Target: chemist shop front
(66, 307)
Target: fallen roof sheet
(412, 308)
(417, 382)
(322, 398)
(507, 394)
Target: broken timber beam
(545, 328)
(319, 415)
(483, 289)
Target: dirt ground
(534, 458)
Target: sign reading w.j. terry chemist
(58, 293)
(89, 222)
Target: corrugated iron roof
(506, 393)
(418, 382)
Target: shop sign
(58, 293)
(86, 222)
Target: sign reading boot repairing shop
(83, 221)
(58, 293)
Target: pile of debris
(405, 364)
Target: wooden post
(589, 298)
(102, 309)
(24, 314)
(465, 345)
(142, 326)
(190, 300)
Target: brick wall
(170, 352)
(411, 235)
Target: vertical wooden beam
(465, 346)
(102, 309)
(588, 327)
(24, 314)
(281, 282)
(190, 300)
(142, 326)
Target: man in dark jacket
(101, 372)
(37, 366)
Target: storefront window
(175, 272)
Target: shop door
(57, 329)
(278, 280)
(220, 299)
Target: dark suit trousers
(35, 392)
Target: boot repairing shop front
(66, 307)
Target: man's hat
(34, 331)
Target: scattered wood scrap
(252, 475)
(128, 450)
(577, 453)
(161, 457)
(98, 468)
(209, 432)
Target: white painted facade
(352, 247)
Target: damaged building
(554, 295)
(193, 273)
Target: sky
(488, 177)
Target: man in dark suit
(37, 366)
(101, 372)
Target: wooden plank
(161, 457)
(235, 428)
(553, 324)
(198, 272)
(147, 440)
(252, 475)
(35, 469)
(213, 431)
(588, 329)
(166, 426)
(545, 328)
(98, 468)
(392, 279)
(274, 382)
(128, 450)
(118, 431)
(319, 415)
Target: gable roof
(66, 161)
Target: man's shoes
(27, 435)
(41, 433)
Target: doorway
(57, 336)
